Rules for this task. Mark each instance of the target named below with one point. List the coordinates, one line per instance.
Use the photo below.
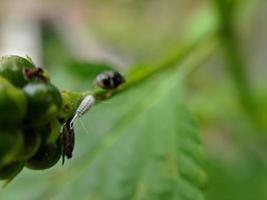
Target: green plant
(143, 146)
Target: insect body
(84, 107)
(68, 140)
(109, 80)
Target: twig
(136, 76)
(235, 62)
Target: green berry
(13, 68)
(12, 104)
(44, 102)
(51, 132)
(32, 142)
(11, 146)
(46, 157)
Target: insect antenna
(83, 127)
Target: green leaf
(142, 145)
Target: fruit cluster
(29, 125)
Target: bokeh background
(65, 36)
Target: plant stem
(139, 74)
(235, 62)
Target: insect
(68, 135)
(83, 108)
(68, 140)
(37, 72)
(109, 80)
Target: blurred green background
(69, 37)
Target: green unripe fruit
(44, 102)
(46, 157)
(11, 146)
(32, 142)
(51, 132)
(4, 82)
(12, 104)
(11, 170)
(13, 69)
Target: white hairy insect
(83, 108)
